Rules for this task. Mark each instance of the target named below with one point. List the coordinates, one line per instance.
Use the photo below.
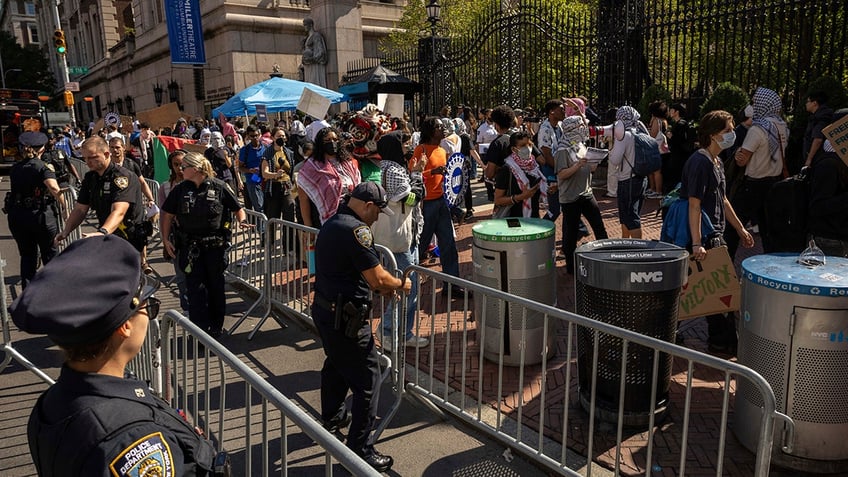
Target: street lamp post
(433, 14)
(6, 72)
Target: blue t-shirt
(251, 157)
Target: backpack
(787, 204)
(647, 153)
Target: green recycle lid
(518, 229)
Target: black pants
(721, 327)
(281, 206)
(204, 268)
(351, 364)
(749, 203)
(586, 206)
(33, 231)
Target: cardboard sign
(164, 116)
(391, 104)
(712, 286)
(837, 134)
(126, 124)
(313, 104)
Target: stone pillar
(340, 21)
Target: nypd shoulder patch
(147, 457)
(363, 236)
(122, 182)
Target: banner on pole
(185, 33)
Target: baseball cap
(372, 192)
(85, 293)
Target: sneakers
(413, 342)
(653, 195)
(469, 214)
(611, 195)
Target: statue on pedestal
(314, 57)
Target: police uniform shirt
(98, 425)
(344, 249)
(201, 210)
(27, 178)
(117, 184)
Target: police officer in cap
(32, 205)
(203, 207)
(94, 421)
(115, 194)
(346, 267)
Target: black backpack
(787, 204)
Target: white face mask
(727, 140)
(524, 152)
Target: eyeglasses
(152, 307)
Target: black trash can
(633, 284)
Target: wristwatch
(103, 231)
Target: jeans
(437, 220)
(404, 260)
(257, 197)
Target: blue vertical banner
(185, 33)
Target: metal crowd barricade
(288, 283)
(7, 347)
(445, 379)
(69, 195)
(202, 380)
(147, 364)
(247, 258)
(155, 239)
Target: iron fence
(524, 52)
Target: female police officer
(93, 421)
(202, 205)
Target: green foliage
(653, 93)
(34, 68)
(727, 97)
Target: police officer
(115, 194)
(202, 205)
(346, 266)
(61, 163)
(94, 421)
(32, 205)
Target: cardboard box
(712, 286)
(837, 134)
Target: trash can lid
(782, 272)
(519, 229)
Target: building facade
(119, 53)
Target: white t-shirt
(762, 164)
(486, 133)
(452, 144)
(622, 155)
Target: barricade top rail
(304, 421)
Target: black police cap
(372, 192)
(32, 139)
(85, 293)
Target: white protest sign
(391, 104)
(313, 104)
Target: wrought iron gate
(524, 52)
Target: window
(33, 33)
(29, 8)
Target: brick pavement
(708, 384)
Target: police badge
(363, 236)
(122, 182)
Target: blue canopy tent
(277, 94)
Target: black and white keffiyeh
(767, 108)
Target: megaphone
(615, 130)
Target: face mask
(524, 152)
(280, 142)
(332, 147)
(727, 140)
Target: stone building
(124, 46)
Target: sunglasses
(152, 307)
(184, 167)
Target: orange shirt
(436, 157)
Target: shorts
(631, 195)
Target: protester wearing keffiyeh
(630, 118)
(521, 169)
(767, 108)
